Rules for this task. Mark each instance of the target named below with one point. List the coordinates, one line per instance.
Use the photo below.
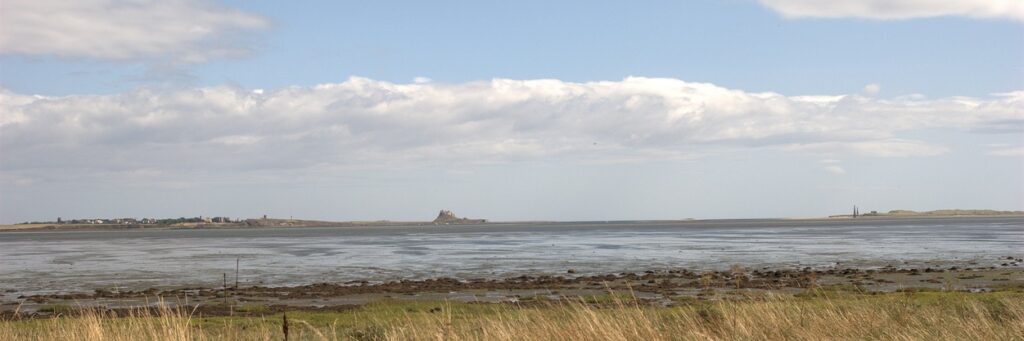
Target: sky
(525, 110)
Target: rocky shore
(662, 287)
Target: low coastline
(296, 223)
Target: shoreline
(364, 224)
(662, 287)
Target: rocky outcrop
(448, 217)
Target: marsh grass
(825, 315)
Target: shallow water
(47, 262)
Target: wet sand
(59, 262)
(660, 261)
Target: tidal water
(47, 262)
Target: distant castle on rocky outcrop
(448, 217)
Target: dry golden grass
(23, 226)
(912, 316)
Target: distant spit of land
(113, 224)
(445, 217)
(935, 213)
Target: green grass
(1010, 287)
(902, 306)
(252, 308)
(836, 312)
(56, 309)
(834, 291)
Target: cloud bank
(188, 31)
(898, 9)
(365, 122)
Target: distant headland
(447, 217)
(934, 213)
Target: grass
(904, 316)
(57, 309)
(252, 308)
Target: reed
(902, 316)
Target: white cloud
(878, 148)
(896, 148)
(834, 169)
(898, 9)
(1013, 151)
(237, 140)
(175, 30)
(872, 89)
(367, 122)
(832, 166)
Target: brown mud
(665, 287)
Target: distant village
(137, 221)
(445, 217)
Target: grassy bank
(814, 316)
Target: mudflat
(653, 287)
(661, 261)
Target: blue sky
(738, 44)
(393, 110)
